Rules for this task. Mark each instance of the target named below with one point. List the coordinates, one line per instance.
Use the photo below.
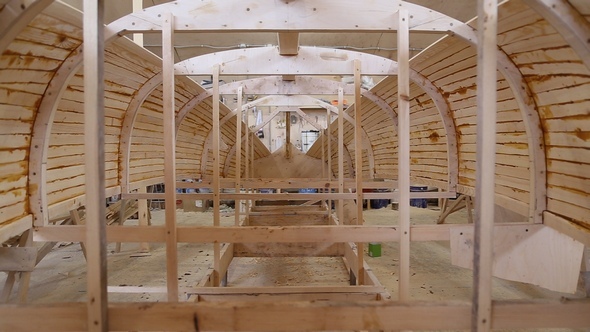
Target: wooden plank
(521, 254)
(18, 259)
(403, 102)
(97, 302)
(325, 315)
(169, 156)
(340, 149)
(358, 156)
(143, 215)
(487, 11)
(302, 249)
(329, 296)
(216, 187)
(157, 233)
(233, 234)
(238, 163)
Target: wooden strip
(341, 153)
(238, 146)
(302, 249)
(157, 233)
(169, 156)
(486, 160)
(403, 100)
(358, 155)
(94, 122)
(216, 188)
(318, 315)
(143, 216)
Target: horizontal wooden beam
(296, 316)
(293, 183)
(267, 61)
(293, 196)
(246, 234)
(234, 234)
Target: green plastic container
(374, 249)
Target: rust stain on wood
(434, 137)
(583, 135)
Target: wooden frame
(96, 237)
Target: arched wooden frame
(423, 19)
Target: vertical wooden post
(247, 161)
(143, 217)
(96, 243)
(403, 100)
(327, 133)
(238, 202)
(485, 164)
(341, 154)
(288, 135)
(138, 7)
(358, 155)
(216, 187)
(169, 156)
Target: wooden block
(18, 259)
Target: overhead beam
(309, 61)
(300, 16)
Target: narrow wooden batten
(169, 156)
(358, 154)
(485, 164)
(403, 100)
(341, 153)
(238, 166)
(216, 186)
(94, 142)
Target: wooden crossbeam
(318, 315)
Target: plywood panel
(521, 253)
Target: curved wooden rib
(15, 16)
(40, 137)
(277, 16)
(570, 24)
(528, 108)
(447, 118)
(127, 129)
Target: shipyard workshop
(295, 165)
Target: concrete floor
(60, 277)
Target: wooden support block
(531, 253)
(18, 259)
